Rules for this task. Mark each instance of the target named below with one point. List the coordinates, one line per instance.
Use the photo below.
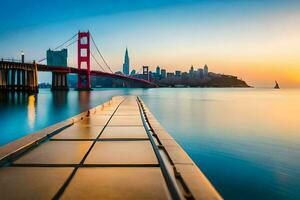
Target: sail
(276, 85)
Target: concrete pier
(18, 77)
(115, 151)
(59, 81)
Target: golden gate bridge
(21, 76)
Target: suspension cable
(72, 43)
(66, 42)
(100, 54)
(61, 45)
(98, 51)
(97, 61)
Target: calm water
(246, 141)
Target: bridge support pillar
(5, 80)
(84, 77)
(59, 81)
(30, 80)
(1, 79)
(12, 78)
(23, 79)
(19, 88)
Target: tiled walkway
(106, 155)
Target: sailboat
(276, 85)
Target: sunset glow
(257, 41)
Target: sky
(256, 40)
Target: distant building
(126, 63)
(163, 73)
(191, 71)
(184, 74)
(170, 74)
(153, 74)
(157, 71)
(133, 72)
(156, 74)
(177, 73)
(57, 58)
(200, 72)
(205, 70)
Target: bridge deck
(116, 151)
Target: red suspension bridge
(21, 76)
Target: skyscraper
(126, 63)
(163, 73)
(158, 71)
(57, 58)
(157, 74)
(205, 70)
(192, 71)
(200, 72)
(177, 73)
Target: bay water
(246, 141)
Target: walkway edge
(193, 182)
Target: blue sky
(248, 38)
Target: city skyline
(257, 41)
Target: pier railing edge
(194, 183)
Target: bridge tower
(146, 73)
(84, 77)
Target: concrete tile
(110, 108)
(122, 152)
(31, 182)
(126, 121)
(124, 109)
(79, 132)
(94, 120)
(124, 132)
(127, 113)
(117, 183)
(128, 107)
(129, 100)
(56, 152)
(104, 112)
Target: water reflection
(31, 111)
(59, 98)
(15, 98)
(84, 98)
